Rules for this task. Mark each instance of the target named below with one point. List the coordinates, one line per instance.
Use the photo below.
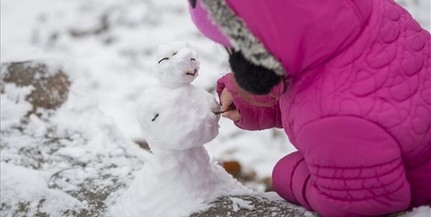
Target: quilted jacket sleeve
(257, 112)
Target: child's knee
(290, 176)
(420, 179)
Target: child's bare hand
(228, 109)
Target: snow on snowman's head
(177, 64)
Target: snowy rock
(69, 159)
(270, 204)
(253, 205)
(50, 86)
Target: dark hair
(193, 3)
(253, 78)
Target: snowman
(177, 119)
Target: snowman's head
(177, 64)
(179, 118)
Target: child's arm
(255, 113)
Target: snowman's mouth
(192, 73)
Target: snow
(30, 185)
(419, 212)
(52, 163)
(240, 203)
(108, 48)
(13, 104)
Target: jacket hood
(288, 35)
(206, 26)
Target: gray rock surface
(268, 204)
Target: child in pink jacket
(350, 83)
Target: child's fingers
(226, 100)
(234, 115)
(227, 107)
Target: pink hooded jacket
(358, 106)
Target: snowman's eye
(155, 117)
(174, 53)
(193, 59)
(166, 58)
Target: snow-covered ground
(108, 47)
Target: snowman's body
(177, 119)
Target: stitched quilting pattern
(343, 183)
(385, 78)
